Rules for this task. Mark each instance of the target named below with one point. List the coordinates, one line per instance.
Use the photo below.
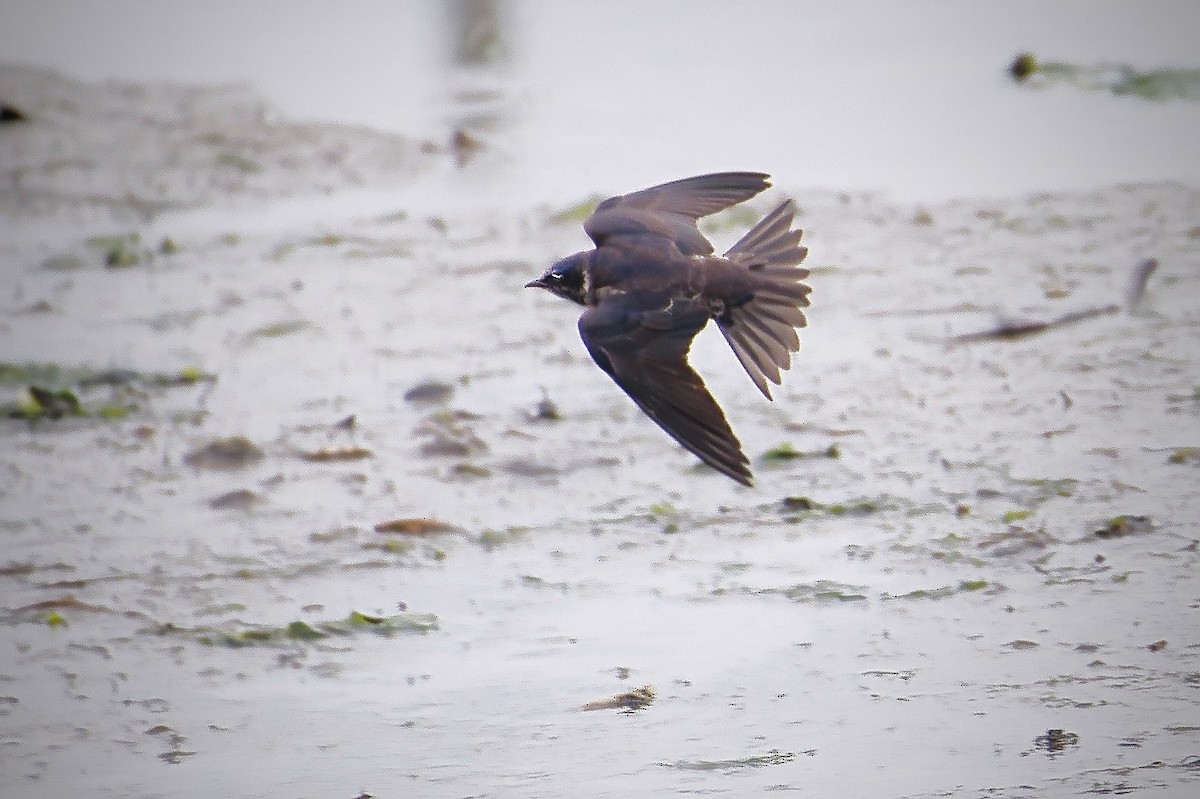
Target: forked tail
(761, 330)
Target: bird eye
(555, 276)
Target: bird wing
(642, 343)
(671, 210)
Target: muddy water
(933, 596)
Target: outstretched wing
(642, 343)
(671, 210)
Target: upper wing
(671, 210)
(643, 345)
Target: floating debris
(547, 410)
(40, 402)
(1119, 79)
(522, 467)
(787, 452)
(1008, 330)
(416, 526)
(1021, 645)
(449, 435)
(1016, 540)
(281, 328)
(772, 758)
(225, 453)
(64, 263)
(334, 454)
(241, 499)
(429, 392)
(801, 508)
(799, 503)
(1124, 525)
(10, 113)
(465, 146)
(965, 586)
(118, 250)
(54, 612)
(1157, 646)
(629, 702)
(1055, 740)
(1137, 283)
(120, 256)
(471, 470)
(51, 391)
(1185, 455)
(820, 591)
(301, 631)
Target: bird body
(652, 283)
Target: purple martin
(652, 283)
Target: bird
(652, 282)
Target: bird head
(567, 278)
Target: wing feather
(672, 209)
(649, 363)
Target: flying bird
(652, 283)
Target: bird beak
(536, 284)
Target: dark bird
(652, 283)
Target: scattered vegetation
(55, 392)
(801, 508)
(772, 758)
(245, 635)
(943, 592)
(1119, 79)
(786, 452)
(818, 591)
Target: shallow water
(915, 629)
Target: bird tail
(761, 328)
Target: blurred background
(913, 99)
(301, 494)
